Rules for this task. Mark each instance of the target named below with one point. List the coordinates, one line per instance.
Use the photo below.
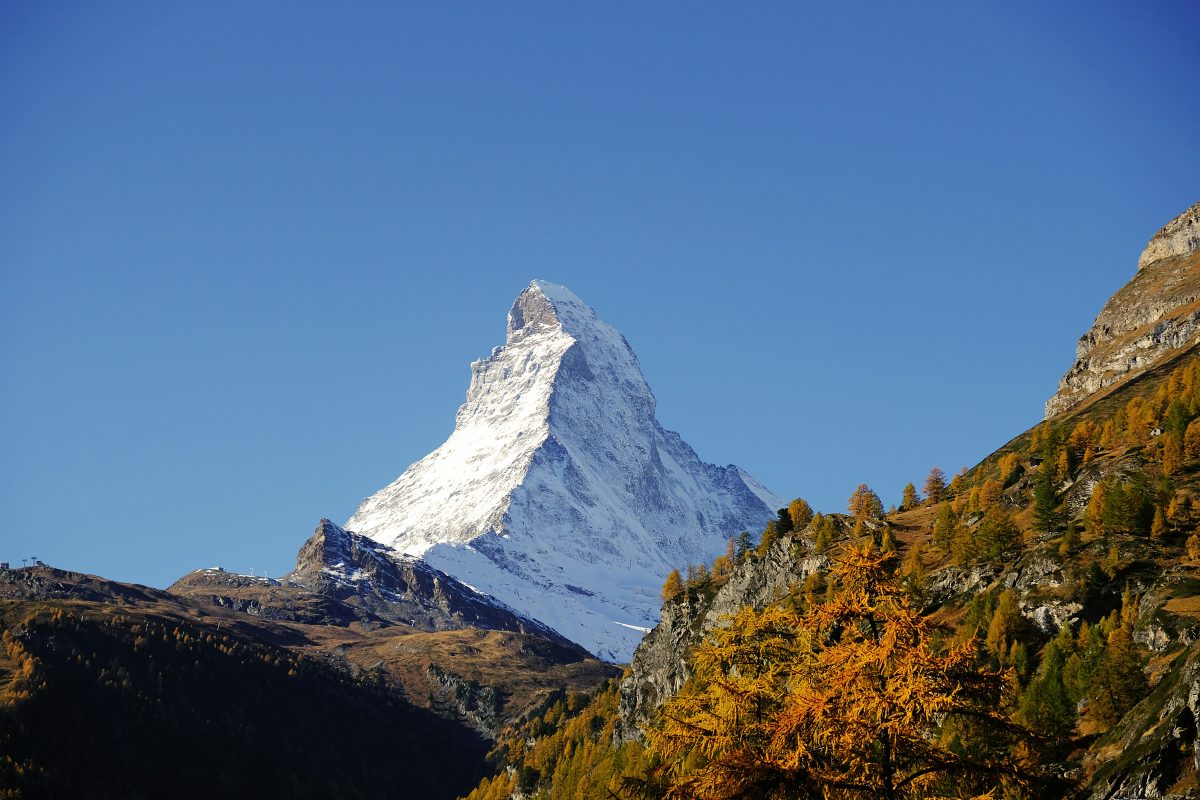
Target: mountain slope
(1153, 317)
(107, 700)
(1071, 555)
(559, 493)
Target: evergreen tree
(1046, 705)
(783, 523)
(744, 544)
(1046, 515)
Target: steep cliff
(1149, 320)
(660, 666)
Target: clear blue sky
(247, 250)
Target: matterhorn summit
(559, 493)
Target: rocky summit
(1151, 319)
(559, 493)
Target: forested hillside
(1024, 628)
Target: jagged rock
(343, 578)
(660, 665)
(559, 493)
(456, 697)
(953, 581)
(1152, 318)
(1050, 617)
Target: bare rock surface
(1152, 318)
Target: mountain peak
(1152, 318)
(559, 493)
(1179, 237)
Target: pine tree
(745, 544)
(1046, 515)
(909, 499)
(1046, 705)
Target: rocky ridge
(1152, 318)
(342, 578)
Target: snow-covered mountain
(559, 493)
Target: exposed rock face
(342, 578)
(559, 493)
(1153, 317)
(1152, 745)
(661, 665)
(1178, 237)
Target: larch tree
(935, 485)
(849, 699)
(909, 499)
(673, 586)
(865, 504)
(801, 513)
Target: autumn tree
(770, 535)
(989, 493)
(865, 504)
(909, 499)
(801, 513)
(997, 534)
(848, 699)
(673, 587)
(1009, 468)
(943, 528)
(935, 485)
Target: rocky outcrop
(1151, 319)
(661, 664)
(342, 578)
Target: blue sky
(247, 251)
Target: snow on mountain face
(559, 493)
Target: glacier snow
(559, 493)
